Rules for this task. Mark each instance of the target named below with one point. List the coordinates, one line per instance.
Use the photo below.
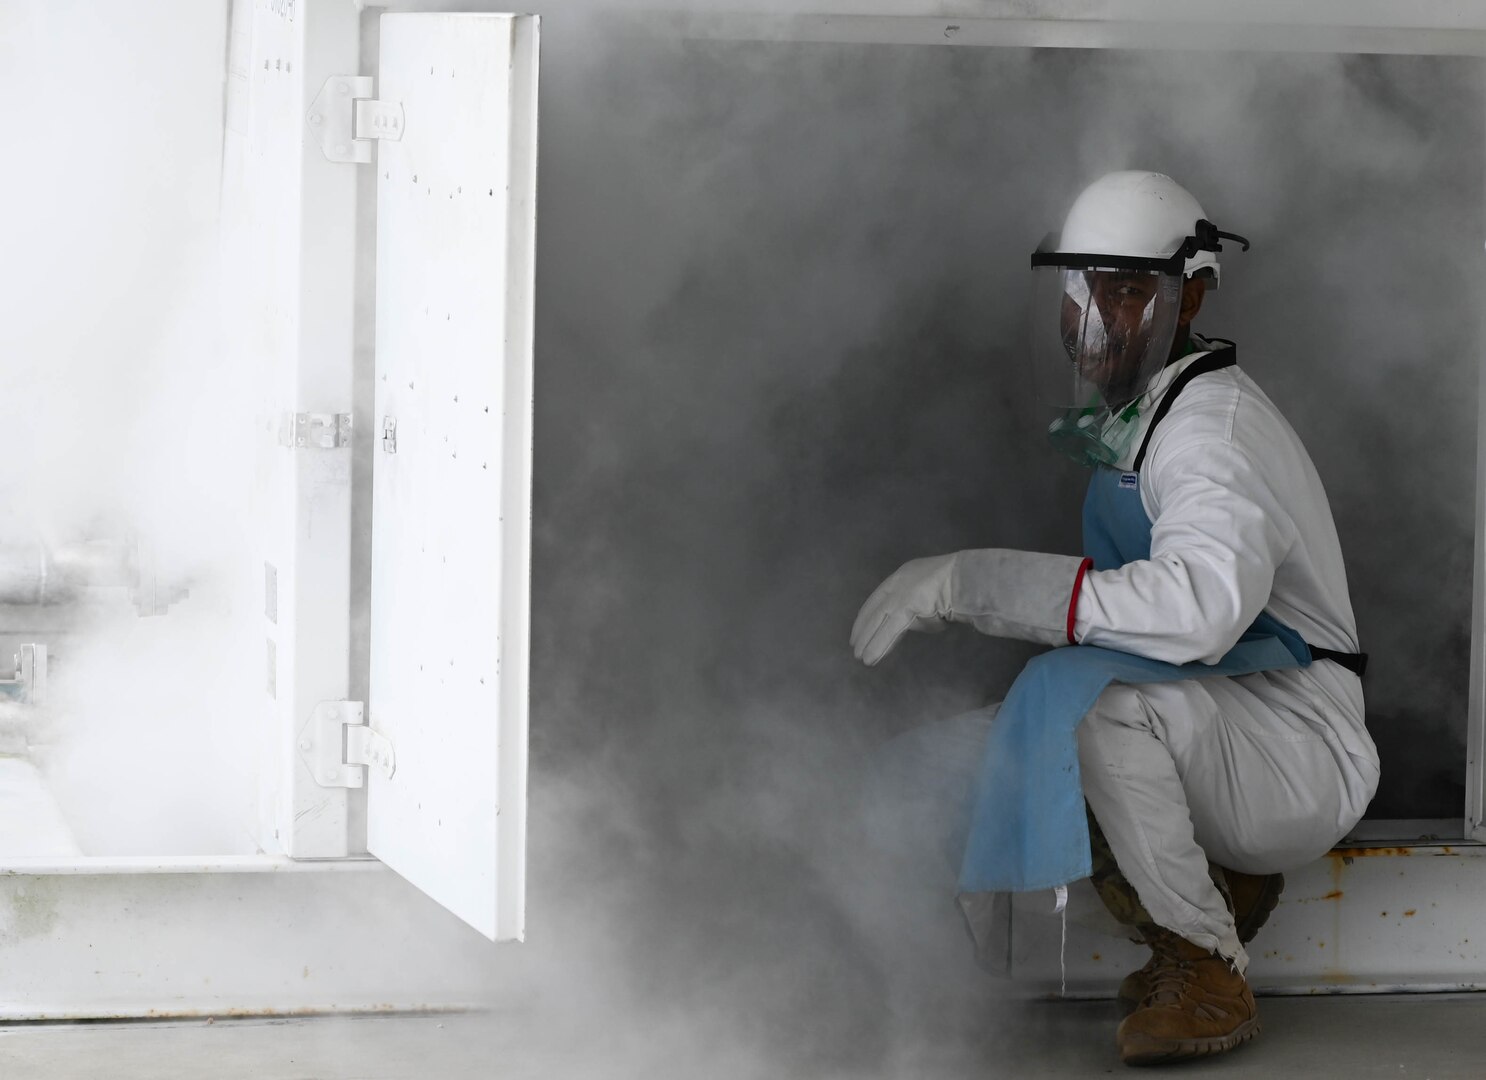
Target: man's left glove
(1016, 594)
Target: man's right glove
(1014, 594)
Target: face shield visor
(1101, 334)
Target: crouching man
(1204, 730)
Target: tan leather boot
(1197, 1005)
(1253, 896)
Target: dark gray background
(781, 313)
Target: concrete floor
(1416, 1037)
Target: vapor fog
(120, 420)
(780, 327)
(781, 315)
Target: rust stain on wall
(1334, 894)
(1369, 852)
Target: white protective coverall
(1262, 772)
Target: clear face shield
(1101, 335)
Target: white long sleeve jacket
(1240, 525)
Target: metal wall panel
(288, 247)
(1361, 920)
(154, 938)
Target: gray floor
(1429, 1037)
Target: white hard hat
(1108, 305)
(1137, 217)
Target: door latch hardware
(366, 746)
(29, 684)
(389, 434)
(378, 119)
(319, 431)
(346, 118)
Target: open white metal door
(452, 482)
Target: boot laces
(1171, 976)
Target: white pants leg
(1247, 771)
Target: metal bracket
(321, 431)
(29, 684)
(366, 746)
(337, 745)
(346, 118)
(378, 119)
(389, 434)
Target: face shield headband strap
(1206, 237)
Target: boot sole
(1139, 1049)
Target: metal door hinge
(337, 745)
(389, 434)
(346, 117)
(320, 431)
(29, 684)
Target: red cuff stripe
(1078, 584)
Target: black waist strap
(1355, 662)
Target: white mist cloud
(781, 314)
(118, 417)
(780, 309)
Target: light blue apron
(1028, 829)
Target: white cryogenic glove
(1014, 594)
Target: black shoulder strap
(1213, 361)
(1216, 361)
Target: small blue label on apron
(1130, 480)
